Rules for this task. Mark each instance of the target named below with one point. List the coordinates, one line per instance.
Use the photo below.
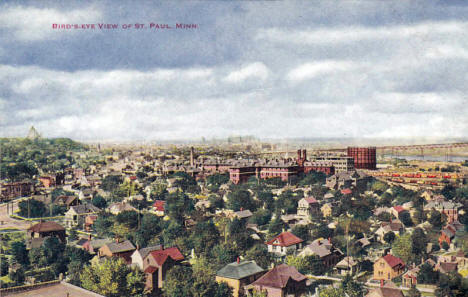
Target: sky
(272, 69)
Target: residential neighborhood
(233, 230)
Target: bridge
(388, 148)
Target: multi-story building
(388, 267)
(340, 163)
(14, 190)
(364, 157)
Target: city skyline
(274, 70)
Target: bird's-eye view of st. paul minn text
(234, 148)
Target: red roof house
(283, 243)
(156, 264)
(346, 191)
(159, 207)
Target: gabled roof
(119, 247)
(392, 260)
(46, 227)
(346, 191)
(310, 200)
(398, 208)
(160, 256)
(279, 276)
(85, 208)
(285, 239)
(145, 251)
(242, 214)
(239, 270)
(159, 205)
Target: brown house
(157, 263)
(388, 267)
(118, 249)
(282, 280)
(37, 233)
(66, 201)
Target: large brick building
(16, 189)
(364, 157)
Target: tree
(204, 237)
(111, 182)
(178, 205)
(112, 278)
(332, 292)
(445, 245)
(19, 253)
(419, 242)
(216, 180)
(351, 287)
(389, 237)
(261, 217)
(436, 219)
(260, 255)
(301, 231)
(276, 226)
(240, 199)
(32, 208)
(402, 247)
(405, 218)
(427, 275)
(449, 192)
(99, 201)
(178, 282)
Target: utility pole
(29, 208)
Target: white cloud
(360, 33)
(313, 69)
(254, 70)
(33, 24)
(446, 51)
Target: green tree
(99, 201)
(419, 242)
(240, 199)
(260, 255)
(112, 278)
(19, 253)
(389, 237)
(405, 218)
(402, 247)
(332, 292)
(427, 275)
(179, 280)
(32, 208)
(436, 219)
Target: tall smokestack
(299, 156)
(304, 155)
(191, 156)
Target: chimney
(89, 237)
(304, 155)
(138, 247)
(241, 209)
(381, 283)
(238, 260)
(299, 156)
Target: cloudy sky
(274, 69)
